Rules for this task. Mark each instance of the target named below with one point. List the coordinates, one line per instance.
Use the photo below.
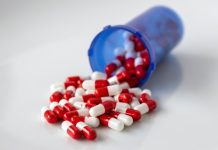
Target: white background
(42, 42)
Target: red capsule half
(49, 115)
(56, 96)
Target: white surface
(43, 42)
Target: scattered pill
(49, 115)
(71, 130)
(111, 122)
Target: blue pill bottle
(159, 28)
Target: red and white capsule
(82, 105)
(49, 115)
(66, 105)
(99, 100)
(108, 91)
(135, 114)
(127, 120)
(68, 94)
(110, 68)
(71, 130)
(100, 109)
(124, 97)
(83, 98)
(87, 131)
(118, 106)
(57, 109)
(119, 78)
(146, 107)
(135, 91)
(90, 121)
(56, 96)
(94, 84)
(111, 122)
(145, 95)
(80, 112)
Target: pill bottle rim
(132, 30)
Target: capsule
(80, 105)
(145, 58)
(68, 94)
(83, 98)
(111, 122)
(71, 88)
(140, 71)
(49, 115)
(119, 78)
(80, 112)
(138, 62)
(98, 76)
(79, 92)
(57, 109)
(127, 120)
(70, 83)
(130, 60)
(135, 102)
(135, 91)
(110, 68)
(77, 78)
(56, 96)
(66, 105)
(90, 121)
(144, 97)
(87, 131)
(118, 106)
(108, 91)
(124, 97)
(146, 107)
(135, 114)
(100, 109)
(94, 84)
(71, 130)
(119, 70)
(99, 100)
(89, 92)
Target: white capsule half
(127, 120)
(98, 76)
(92, 121)
(116, 124)
(73, 100)
(129, 45)
(65, 125)
(120, 106)
(142, 108)
(79, 92)
(89, 84)
(97, 110)
(114, 90)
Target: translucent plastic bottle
(159, 28)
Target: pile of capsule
(109, 99)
